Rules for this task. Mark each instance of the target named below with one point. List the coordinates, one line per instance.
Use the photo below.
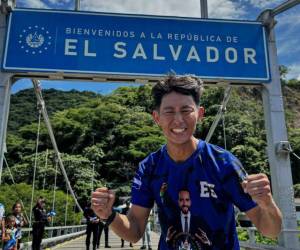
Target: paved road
(114, 242)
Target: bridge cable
(45, 167)
(222, 109)
(224, 130)
(297, 156)
(13, 181)
(291, 151)
(35, 164)
(66, 210)
(54, 192)
(36, 84)
(237, 211)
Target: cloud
(287, 38)
(225, 9)
(261, 4)
(287, 44)
(294, 71)
(187, 8)
(49, 4)
(154, 7)
(32, 4)
(289, 19)
(61, 2)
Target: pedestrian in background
(40, 221)
(92, 222)
(21, 221)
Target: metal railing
(54, 235)
(252, 243)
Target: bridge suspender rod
(66, 211)
(39, 96)
(203, 9)
(54, 192)
(77, 5)
(224, 132)
(35, 166)
(46, 166)
(219, 114)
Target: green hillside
(116, 131)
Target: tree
(9, 194)
(283, 70)
(113, 133)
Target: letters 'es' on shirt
(212, 176)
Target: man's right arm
(129, 227)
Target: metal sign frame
(273, 111)
(252, 68)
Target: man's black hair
(183, 190)
(186, 85)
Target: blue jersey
(210, 180)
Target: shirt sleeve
(235, 174)
(141, 192)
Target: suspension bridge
(72, 236)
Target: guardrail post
(251, 233)
(50, 231)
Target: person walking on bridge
(214, 179)
(40, 221)
(92, 222)
(124, 210)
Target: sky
(287, 29)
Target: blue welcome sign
(131, 45)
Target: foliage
(283, 71)
(24, 108)
(242, 234)
(297, 190)
(78, 168)
(294, 138)
(265, 240)
(113, 133)
(9, 194)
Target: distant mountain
(114, 132)
(24, 110)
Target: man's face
(178, 116)
(184, 201)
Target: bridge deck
(114, 242)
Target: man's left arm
(266, 216)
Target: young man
(212, 176)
